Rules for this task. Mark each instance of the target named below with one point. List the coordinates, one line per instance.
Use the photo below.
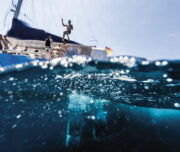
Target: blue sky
(145, 28)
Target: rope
(5, 18)
(13, 4)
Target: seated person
(48, 43)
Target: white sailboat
(31, 42)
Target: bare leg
(63, 36)
(68, 37)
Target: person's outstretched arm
(63, 22)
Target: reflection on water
(76, 104)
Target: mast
(18, 8)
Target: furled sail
(21, 30)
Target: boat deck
(36, 49)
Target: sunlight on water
(78, 104)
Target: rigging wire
(59, 25)
(13, 4)
(52, 11)
(43, 12)
(88, 21)
(25, 15)
(11, 9)
(28, 18)
(54, 14)
(6, 15)
(33, 10)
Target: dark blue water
(77, 104)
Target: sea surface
(77, 104)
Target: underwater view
(89, 76)
(78, 104)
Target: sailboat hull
(36, 49)
(28, 41)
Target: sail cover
(21, 30)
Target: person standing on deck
(68, 30)
(48, 43)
